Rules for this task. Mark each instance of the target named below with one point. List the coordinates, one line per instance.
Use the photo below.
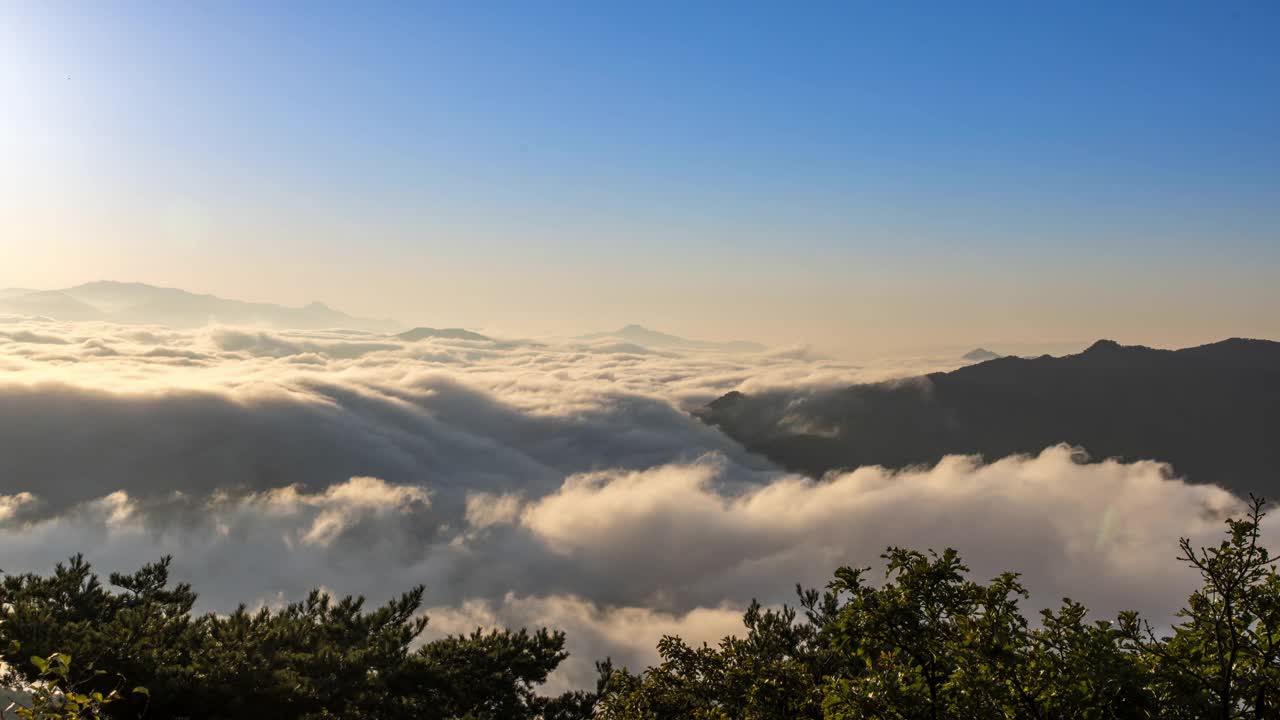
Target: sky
(859, 177)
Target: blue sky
(892, 173)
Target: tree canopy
(925, 641)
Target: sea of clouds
(525, 483)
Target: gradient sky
(862, 177)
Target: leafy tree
(143, 633)
(770, 673)
(928, 643)
(1223, 658)
(54, 696)
(925, 642)
(1074, 669)
(320, 658)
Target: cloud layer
(559, 483)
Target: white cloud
(489, 509)
(523, 483)
(1101, 532)
(343, 505)
(11, 505)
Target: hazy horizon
(1024, 346)
(865, 181)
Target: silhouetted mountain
(980, 355)
(137, 303)
(1212, 411)
(422, 333)
(47, 303)
(652, 338)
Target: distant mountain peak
(727, 401)
(422, 333)
(648, 337)
(1104, 346)
(140, 303)
(981, 355)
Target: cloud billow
(523, 483)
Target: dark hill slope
(1212, 411)
(422, 333)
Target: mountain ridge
(1211, 411)
(647, 337)
(422, 333)
(140, 303)
(980, 355)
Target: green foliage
(55, 696)
(770, 673)
(1223, 659)
(923, 642)
(316, 659)
(928, 643)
